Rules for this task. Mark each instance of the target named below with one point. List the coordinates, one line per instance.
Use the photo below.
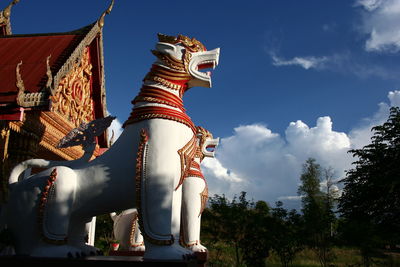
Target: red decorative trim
(195, 173)
(133, 231)
(195, 165)
(203, 198)
(153, 112)
(186, 155)
(156, 95)
(13, 115)
(42, 206)
(140, 172)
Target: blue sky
(296, 79)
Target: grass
(223, 255)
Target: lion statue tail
(23, 166)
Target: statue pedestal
(201, 257)
(112, 261)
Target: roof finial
(20, 85)
(5, 17)
(100, 22)
(48, 73)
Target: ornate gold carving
(73, 98)
(192, 44)
(133, 232)
(20, 85)
(100, 22)
(140, 173)
(170, 61)
(48, 190)
(4, 140)
(27, 99)
(186, 154)
(5, 17)
(164, 82)
(48, 73)
(203, 198)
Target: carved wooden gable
(73, 99)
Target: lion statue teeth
(48, 212)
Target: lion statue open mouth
(47, 213)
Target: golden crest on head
(192, 44)
(203, 134)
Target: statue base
(92, 261)
(201, 257)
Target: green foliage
(104, 233)
(371, 196)
(317, 208)
(285, 233)
(240, 224)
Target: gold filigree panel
(73, 98)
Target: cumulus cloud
(304, 62)
(361, 135)
(381, 22)
(267, 165)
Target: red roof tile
(33, 51)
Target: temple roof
(32, 51)
(32, 65)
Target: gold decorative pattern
(164, 82)
(186, 155)
(48, 73)
(100, 22)
(203, 198)
(73, 98)
(44, 197)
(133, 231)
(5, 17)
(140, 173)
(27, 99)
(191, 44)
(171, 62)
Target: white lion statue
(47, 213)
(194, 199)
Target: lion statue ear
(166, 48)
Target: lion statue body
(48, 212)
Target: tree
(286, 233)
(371, 194)
(256, 243)
(226, 221)
(242, 225)
(317, 211)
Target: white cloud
(267, 165)
(343, 62)
(394, 98)
(304, 62)
(369, 5)
(381, 22)
(361, 135)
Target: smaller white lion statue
(194, 198)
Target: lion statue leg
(192, 206)
(159, 198)
(47, 199)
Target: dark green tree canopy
(372, 188)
